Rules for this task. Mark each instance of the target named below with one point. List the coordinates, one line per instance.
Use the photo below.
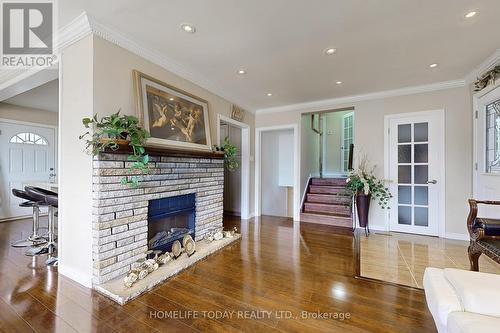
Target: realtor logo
(27, 34)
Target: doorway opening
(236, 182)
(28, 140)
(276, 171)
(329, 139)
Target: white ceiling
(44, 97)
(382, 44)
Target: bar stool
(51, 200)
(35, 239)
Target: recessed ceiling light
(470, 14)
(433, 65)
(171, 99)
(188, 28)
(269, 94)
(242, 71)
(330, 51)
(339, 82)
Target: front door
(415, 172)
(27, 155)
(487, 151)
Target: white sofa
(463, 301)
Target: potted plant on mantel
(364, 186)
(230, 160)
(113, 131)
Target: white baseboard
(457, 236)
(78, 277)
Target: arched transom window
(29, 138)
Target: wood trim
(171, 152)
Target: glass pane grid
(413, 169)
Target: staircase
(327, 202)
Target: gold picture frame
(173, 117)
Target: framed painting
(173, 117)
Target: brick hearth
(120, 214)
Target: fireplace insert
(170, 219)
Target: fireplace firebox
(170, 219)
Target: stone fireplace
(180, 191)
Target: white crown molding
(486, 65)
(326, 104)
(72, 32)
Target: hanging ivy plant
(109, 132)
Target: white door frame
(387, 163)
(296, 175)
(245, 161)
(479, 99)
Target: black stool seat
(31, 201)
(43, 195)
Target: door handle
(432, 181)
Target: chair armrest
(487, 202)
(479, 233)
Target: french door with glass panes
(347, 139)
(416, 164)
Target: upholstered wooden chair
(484, 234)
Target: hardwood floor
(275, 267)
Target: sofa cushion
(478, 292)
(491, 226)
(441, 297)
(468, 322)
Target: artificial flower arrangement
(362, 181)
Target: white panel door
(415, 172)
(27, 154)
(487, 151)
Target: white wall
(369, 136)
(275, 197)
(75, 167)
(21, 113)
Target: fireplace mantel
(169, 151)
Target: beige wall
(369, 136)
(75, 167)
(21, 113)
(114, 89)
(309, 152)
